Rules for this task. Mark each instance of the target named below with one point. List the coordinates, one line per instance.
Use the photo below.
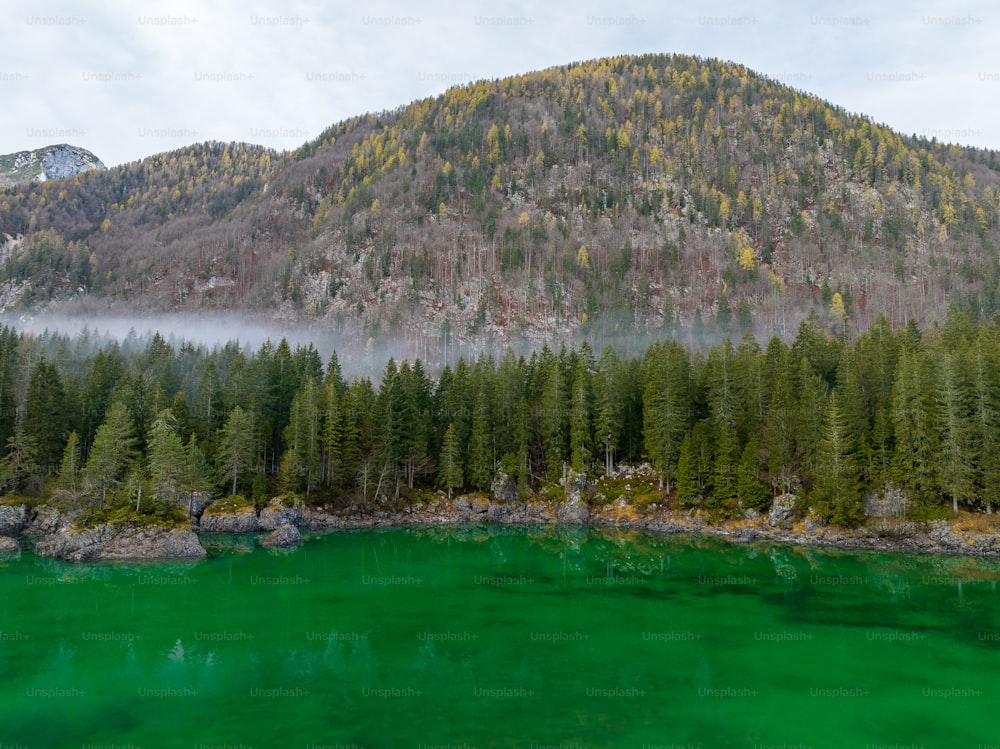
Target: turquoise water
(500, 637)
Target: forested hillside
(628, 194)
(104, 425)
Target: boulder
(9, 545)
(13, 518)
(121, 542)
(504, 489)
(282, 537)
(572, 513)
(751, 514)
(282, 511)
(782, 509)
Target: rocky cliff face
(51, 162)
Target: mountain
(51, 162)
(634, 194)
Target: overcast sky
(130, 79)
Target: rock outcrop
(51, 162)
(13, 518)
(283, 537)
(281, 511)
(121, 542)
(229, 516)
(45, 521)
(9, 545)
(782, 509)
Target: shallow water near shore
(503, 637)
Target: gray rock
(279, 513)
(751, 514)
(572, 513)
(9, 545)
(502, 513)
(284, 536)
(479, 506)
(115, 542)
(462, 505)
(51, 162)
(194, 503)
(13, 518)
(942, 534)
(814, 523)
(782, 509)
(48, 520)
(243, 520)
(504, 489)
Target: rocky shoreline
(52, 534)
(934, 537)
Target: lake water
(501, 637)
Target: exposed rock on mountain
(51, 162)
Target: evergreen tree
(836, 492)
(917, 446)
(450, 473)
(196, 472)
(667, 398)
(69, 470)
(956, 460)
(608, 406)
(303, 436)
(168, 462)
(46, 416)
(480, 458)
(580, 439)
(752, 492)
(235, 454)
(20, 463)
(112, 453)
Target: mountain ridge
(652, 193)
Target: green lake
(503, 637)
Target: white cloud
(128, 80)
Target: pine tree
(752, 492)
(303, 435)
(480, 458)
(956, 460)
(112, 453)
(917, 446)
(608, 407)
(986, 418)
(69, 470)
(196, 472)
(235, 454)
(20, 463)
(688, 485)
(166, 457)
(836, 492)
(580, 438)
(450, 472)
(46, 416)
(667, 398)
